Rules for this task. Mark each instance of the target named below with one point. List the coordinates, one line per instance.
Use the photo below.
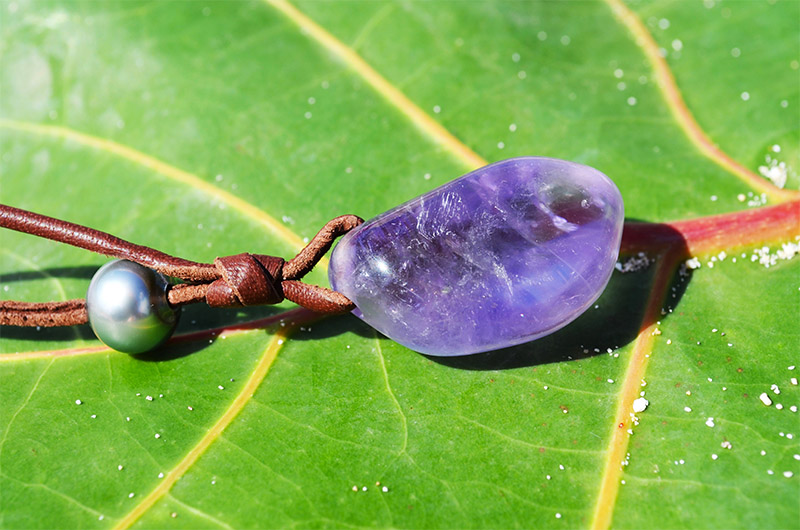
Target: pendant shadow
(613, 321)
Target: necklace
(506, 254)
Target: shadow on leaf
(613, 321)
(82, 272)
(83, 332)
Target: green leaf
(207, 129)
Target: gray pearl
(128, 308)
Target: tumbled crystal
(501, 256)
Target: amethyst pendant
(503, 255)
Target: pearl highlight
(128, 308)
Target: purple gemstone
(503, 255)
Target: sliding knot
(246, 279)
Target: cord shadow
(174, 349)
(47, 334)
(81, 272)
(333, 326)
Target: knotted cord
(239, 280)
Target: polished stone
(501, 256)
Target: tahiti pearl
(506, 254)
(128, 308)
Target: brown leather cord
(102, 243)
(239, 280)
(46, 314)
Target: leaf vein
(199, 513)
(241, 399)
(433, 129)
(683, 116)
(403, 419)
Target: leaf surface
(209, 129)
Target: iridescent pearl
(506, 254)
(128, 308)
